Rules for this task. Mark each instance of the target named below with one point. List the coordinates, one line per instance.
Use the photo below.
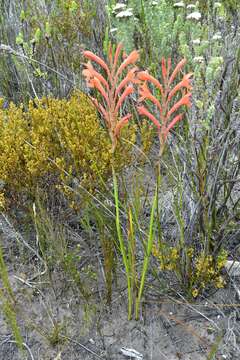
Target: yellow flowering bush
(13, 134)
(202, 270)
(2, 201)
(53, 141)
(168, 257)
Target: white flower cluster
(217, 4)
(121, 11)
(198, 59)
(179, 4)
(119, 6)
(196, 41)
(113, 30)
(217, 36)
(196, 15)
(126, 13)
(191, 6)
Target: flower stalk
(115, 86)
(165, 116)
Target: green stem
(147, 254)
(122, 246)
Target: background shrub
(53, 142)
(48, 37)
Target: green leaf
(19, 39)
(73, 6)
(38, 35)
(47, 29)
(22, 15)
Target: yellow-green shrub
(39, 146)
(201, 271)
(13, 134)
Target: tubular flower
(113, 86)
(166, 107)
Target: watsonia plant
(113, 86)
(166, 108)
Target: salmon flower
(114, 86)
(165, 117)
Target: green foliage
(48, 40)
(57, 252)
(4, 277)
(148, 28)
(8, 303)
(11, 319)
(128, 252)
(230, 6)
(161, 29)
(54, 336)
(107, 235)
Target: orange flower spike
(99, 87)
(146, 94)
(173, 122)
(116, 57)
(121, 123)
(91, 56)
(178, 68)
(145, 76)
(130, 77)
(184, 101)
(185, 83)
(89, 78)
(96, 74)
(131, 59)
(112, 88)
(129, 90)
(166, 123)
(143, 111)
